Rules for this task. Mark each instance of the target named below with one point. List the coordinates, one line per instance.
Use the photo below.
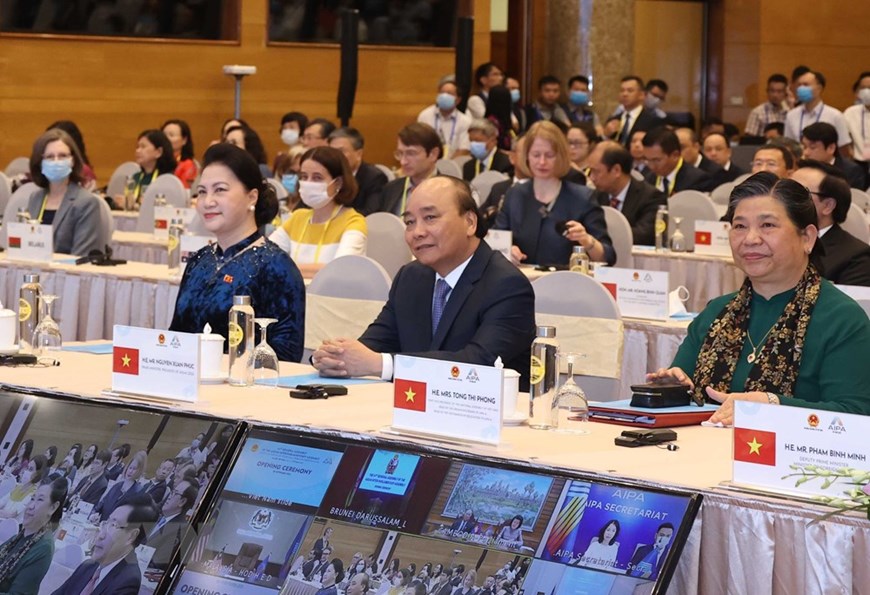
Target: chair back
(461, 160)
(344, 297)
(386, 242)
(619, 230)
(107, 223)
(280, 191)
(176, 196)
(448, 167)
(861, 198)
(588, 322)
(856, 223)
(387, 171)
(691, 206)
(484, 181)
(118, 181)
(17, 202)
(722, 193)
(5, 191)
(19, 165)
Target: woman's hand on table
(517, 255)
(670, 376)
(725, 413)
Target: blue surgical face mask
(578, 97)
(289, 182)
(477, 149)
(445, 101)
(56, 170)
(804, 93)
(515, 95)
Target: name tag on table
(166, 217)
(798, 451)
(449, 399)
(191, 244)
(711, 237)
(155, 363)
(638, 293)
(29, 241)
(500, 240)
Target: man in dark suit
(610, 169)
(458, 301)
(819, 141)
(717, 150)
(464, 524)
(633, 116)
(417, 151)
(158, 486)
(167, 532)
(91, 488)
(369, 179)
(112, 568)
(483, 136)
(669, 172)
(846, 260)
(690, 150)
(648, 559)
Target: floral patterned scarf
(777, 364)
(10, 556)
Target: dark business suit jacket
(847, 259)
(646, 120)
(157, 490)
(639, 554)
(166, 540)
(641, 204)
(855, 174)
(500, 162)
(490, 313)
(709, 166)
(76, 225)
(371, 182)
(724, 176)
(691, 178)
(123, 579)
(94, 492)
(391, 196)
(115, 498)
(534, 230)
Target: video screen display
(394, 522)
(100, 486)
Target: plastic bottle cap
(548, 332)
(241, 300)
(31, 278)
(579, 250)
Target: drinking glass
(678, 240)
(46, 335)
(569, 395)
(264, 357)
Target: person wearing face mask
(329, 227)
(656, 94)
(178, 133)
(287, 172)
(518, 113)
(485, 154)
(61, 201)
(810, 87)
(450, 123)
(292, 125)
(858, 120)
(578, 103)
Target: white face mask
(290, 136)
(314, 194)
(864, 96)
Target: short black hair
(821, 132)
(799, 71)
(253, 144)
(189, 495)
(656, 83)
(778, 126)
(297, 117)
(245, 168)
(617, 155)
(548, 79)
(142, 512)
(794, 197)
(633, 77)
(820, 78)
(663, 137)
(861, 76)
(833, 185)
(578, 78)
(484, 70)
(166, 162)
(777, 78)
(352, 134)
(325, 125)
(104, 455)
(187, 147)
(665, 526)
(786, 153)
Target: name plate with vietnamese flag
(799, 451)
(29, 241)
(166, 217)
(155, 363)
(638, 293)
(711, 237)
(448, 399)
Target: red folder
(623, 414)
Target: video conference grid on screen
(123, 484)
(303, 516)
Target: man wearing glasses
(167, 532)
(417, 151)
(112, 568)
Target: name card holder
(711, 237)
(29, 241)
(638, 293)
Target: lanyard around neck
(335, 212)
(488, 163)
(452, 128)
(819, 117)
(675, 173)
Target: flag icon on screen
(705, 238)
(14, 242)
(755, 446)
(125, 360)
(409, 394)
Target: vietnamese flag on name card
(705, 238)
(125, 360)
(755, 446)
(161, 224)
(14, 242)
(611, 287)
(409, 394)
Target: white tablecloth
(125, 220)
(137, 246)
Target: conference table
(740, 542)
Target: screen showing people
(306, 516)
(99, 505)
